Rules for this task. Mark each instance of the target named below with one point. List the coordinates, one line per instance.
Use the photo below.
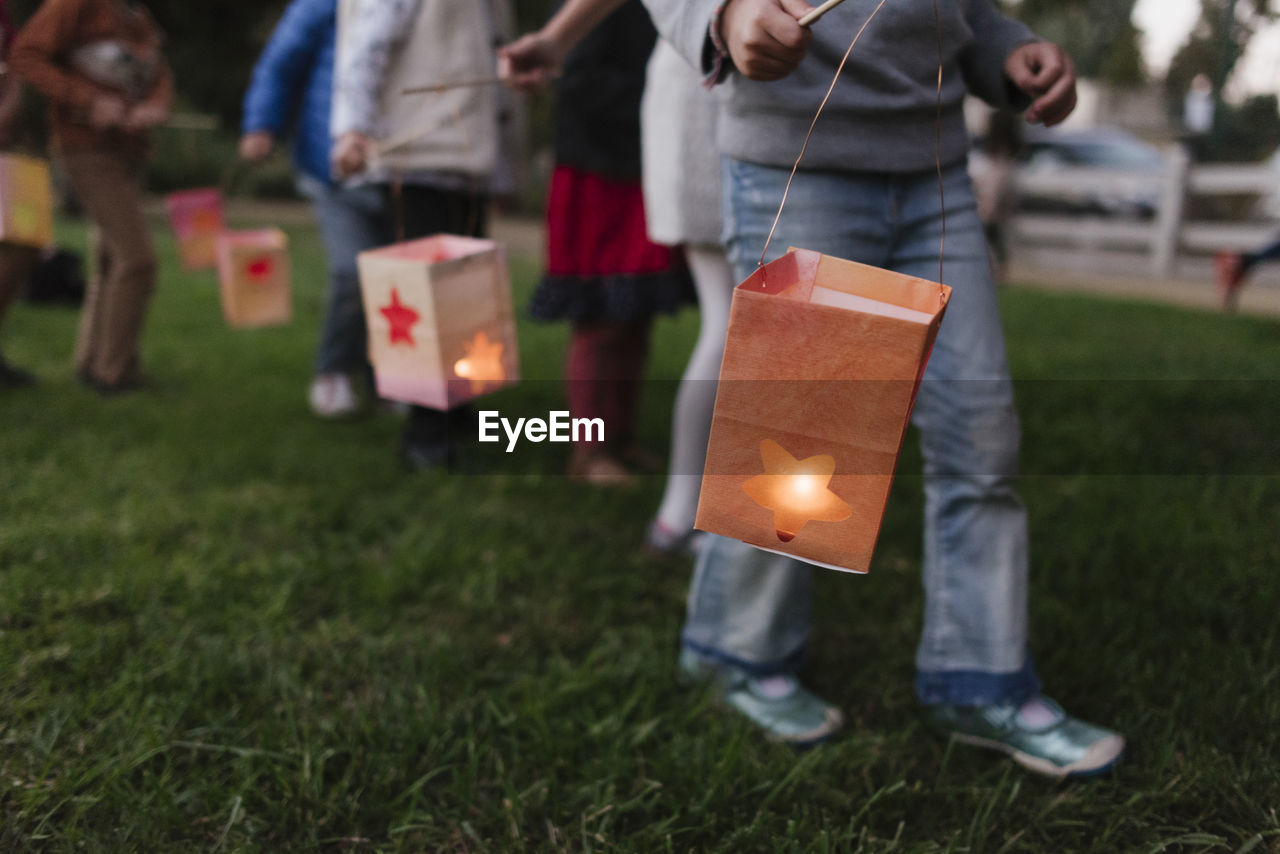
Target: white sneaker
(333, 396)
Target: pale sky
(1167, 23)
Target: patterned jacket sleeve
(377, 28)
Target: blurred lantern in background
(26, 201)
(196, 217)
(253, 277)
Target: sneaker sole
(828, 730)
(1099, 759)
(821, 734)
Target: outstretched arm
(531, 61)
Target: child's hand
(255, 146)
(351, 154)
(145, 116)
(529, 63)
(764, 38)
(1045, 72)
(106, 112)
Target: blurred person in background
(995, 184)
(432, 155)
(604, 275)
(680, 179)
(99, 62)
(1232, 268)
(16, 262)
(292, 88)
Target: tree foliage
(1099, 35)
(1216, 43)
(1246, 131)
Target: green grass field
(227, 626)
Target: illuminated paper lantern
(441, 327)
(253, 276)
(196, 217)
(26, 201)
(821, 367)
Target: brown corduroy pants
(123, 273)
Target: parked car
(1132, 193)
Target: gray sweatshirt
(883, 112)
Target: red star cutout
(796, 490)
(260, 268)
(401, 317)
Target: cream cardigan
(386, 46)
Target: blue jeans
(752, 608)
(351, 219)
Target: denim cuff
(977, 687)
(788, 664)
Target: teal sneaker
(779, 705)
(1039, 735)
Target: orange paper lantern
(441, 327)
(253, 276)
(196, 217)
(26, 201)
(821, 366)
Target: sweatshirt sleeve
(49, 34)
(982, 62)
(281, 69)
(376, 30)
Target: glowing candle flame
(482, 364)
(795, 490)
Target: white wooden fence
(1170, 232)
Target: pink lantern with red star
(253, 276)
(196, 217)
(441, 327)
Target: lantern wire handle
(839, 68)
(937, 139)
(937, 152)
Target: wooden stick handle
(812, 17)
(456, 84)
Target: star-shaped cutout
(796, 490)
(401, 317)
(260, 268)
(482, 364)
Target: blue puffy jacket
(293, 82)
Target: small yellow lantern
(196, 217)
(26, 201)
(441, 327)
(821, 366)
(254, 278)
